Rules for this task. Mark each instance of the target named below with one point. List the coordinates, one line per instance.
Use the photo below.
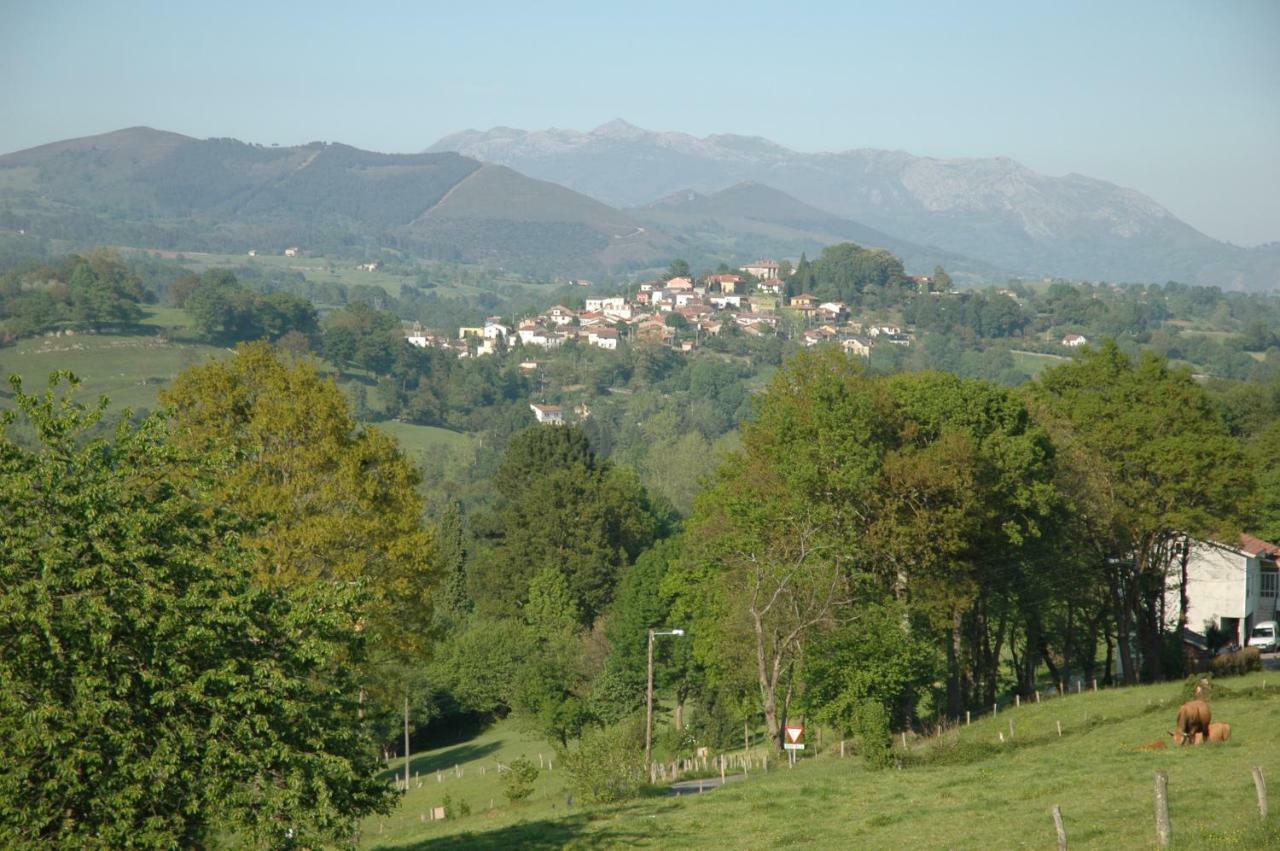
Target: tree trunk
(1122, 636)
(955, 696)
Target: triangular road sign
(795, 734)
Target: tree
(342, 500)
(1169, 468)
(941, 280)
(560, 507)
(678, 269)
(152, 694)
(771, 543)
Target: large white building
(1232, 586)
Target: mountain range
(994, 210)
(614, 200)
(157, 189)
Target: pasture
(964, 789)
(1034, 363)
(127, 368)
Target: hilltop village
(679, 312)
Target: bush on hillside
(517, 780)
(608, 763)
(1237, 663)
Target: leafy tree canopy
(154, 694)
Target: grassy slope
(417, 440)
(478, 785)
(128, 368)
(976, 793)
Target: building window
(1270, 582)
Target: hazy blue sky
(1180, 100)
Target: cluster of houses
(752, 302)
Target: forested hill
(147, 187)
(994, 209)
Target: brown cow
(1220, 732)
(1193, 722)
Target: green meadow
(965, 789)
(127, 368)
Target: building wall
(1221, 583)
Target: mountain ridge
(993, 209)
(144, 186)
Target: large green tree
(560, 507)
(1167, 466)
(152, 694)
(341, 501)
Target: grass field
(127, 368)
(344, 271)
(418, 440)
(1034, 363)
(963, 790)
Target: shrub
(871, 726)
(1237, 663)
(517, 780)
(608, 763)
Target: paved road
(693, 787)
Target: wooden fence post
(1164, 830)
(1260, 784)
(1060, 828)
(1059, 723)
(966, 718)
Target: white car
(1265, 636)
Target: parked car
(1265, 636)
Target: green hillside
(153, 189)
(965, 789)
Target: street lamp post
(648, 713)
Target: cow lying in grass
(1193, 723)
(1218, 732)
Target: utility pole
(406, 742)
(648, 712)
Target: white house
(771, 286)
(605, 338)
(551, 414)
(416, 336)
(1074, 340)
(763, 269)
(559, 314)
(494, 327)
(1232, 586)
(723, 302)
(856, 346)
(604, 305)
(291, 251)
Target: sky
(1178, 99)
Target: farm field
(343, 271)
(963, 790)
(418, 440)
(127, 368)
(1034, 363)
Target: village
(679, 312)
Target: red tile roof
(1258, 547)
